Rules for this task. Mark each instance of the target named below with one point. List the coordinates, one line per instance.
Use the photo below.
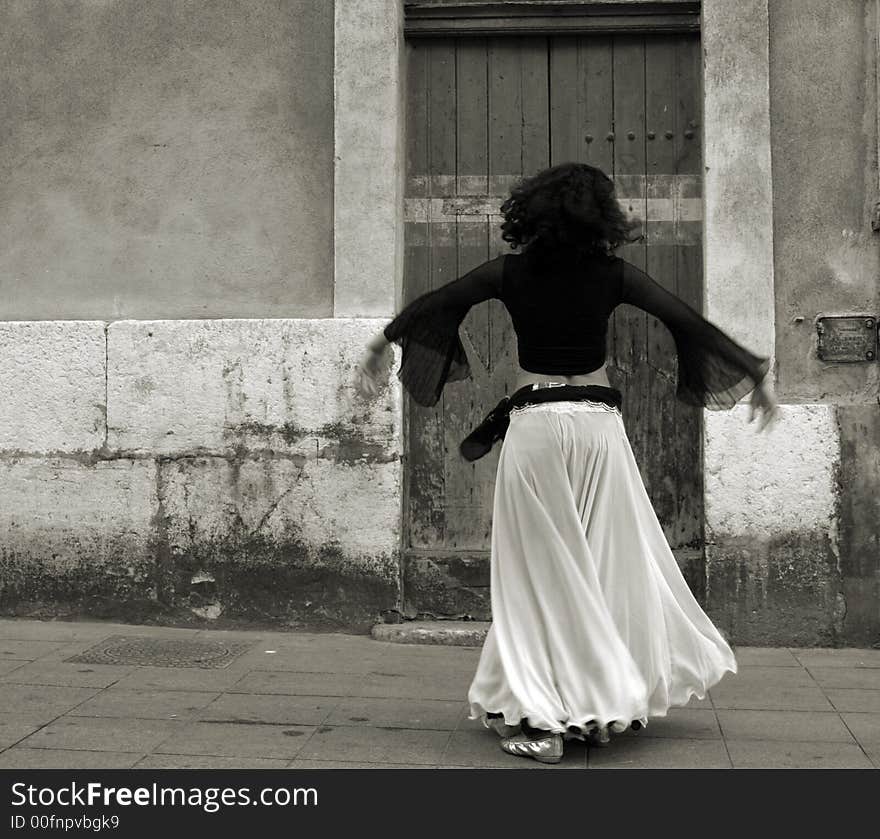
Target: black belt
(493, 428)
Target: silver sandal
(545, 749)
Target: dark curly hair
(566, 208)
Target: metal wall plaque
(852, 338)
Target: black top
(560, 313)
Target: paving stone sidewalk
(294, 700)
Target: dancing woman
(593, 626)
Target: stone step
(446, 633)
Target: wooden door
(482, 113)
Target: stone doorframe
(738, 192)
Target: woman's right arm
(427, 331)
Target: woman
(593, 626)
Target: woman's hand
(763, 401)
(371, 368)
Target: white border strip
(367, 189)
(738, 186)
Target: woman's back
(560, 310)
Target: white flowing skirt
(593, 624)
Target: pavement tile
(797, 726)
(439, 715)
(274, 639)
(180, 678)
(854, 699)
(145, 704)
(66, 675)
(762, 675)
(425, 685)
(237, 740)
(769, 754)
(372, 744)
(406, 663)
(101, 734)
(757, 697)
(688, 723)
(864, 727)
(64, 651)
(481, 749)
(21, 758)
(295, 659)
(26, 650)
(61, 632)
(42, 703)
(66, 631)
(208, 762)
(277, 709)
(848, 657)
(659, 753)
(867, 678)
(8, 665)
(765, 657)
(340, 764)
(872, 750)
(298, 684)
(14, 728)
(430, 652)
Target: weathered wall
(369, 173)
(824, 132)
(825, 182)
(792, 514)
(166, 159)
(173, 162)
(772, 542)
(210, 467)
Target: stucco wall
(166, 159)
(208, 468)
(824, 130)
(175, 444)
(823, 97)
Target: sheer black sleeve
(713, 370)
(427, 331)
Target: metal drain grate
(162, 652)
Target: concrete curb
(446, 633)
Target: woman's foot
(599, 737)
(545, 749)
(501, 728)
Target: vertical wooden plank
(689, 271)
(428, 509)
(597, 92)
(535, 105)
(464, 402)
(423, 482)
(661, 168)
(628, 66)
(505, 168)
(472, 175)
(416, 121)
(505, 115)
(662, 454)
(566, 100)
(441, 117)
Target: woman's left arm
(370, 368)
(713, 370)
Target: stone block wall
(212, 469)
